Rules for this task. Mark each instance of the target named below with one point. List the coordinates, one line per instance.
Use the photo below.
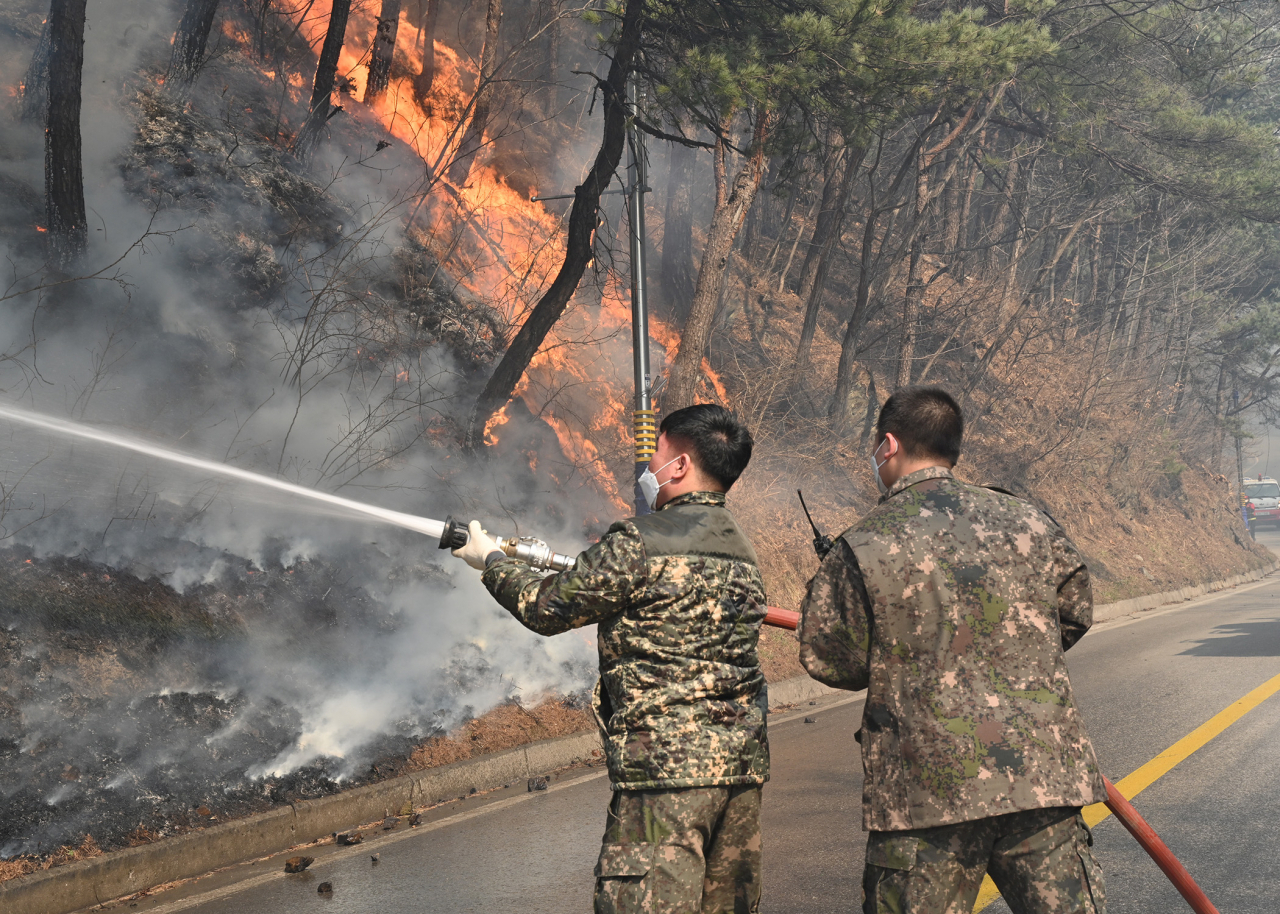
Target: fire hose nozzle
(534, 551)
(525, 548)
(454, 535)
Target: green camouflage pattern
(690, 851)
(1040, 859)
(952, 605)
(678, 600)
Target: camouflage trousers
(1039, 859)
(694, 850)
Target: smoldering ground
(174, 642)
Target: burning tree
(326, 70)
(583, 219)
(427, 28)
(384, 49)
(190, 40)
(473, 137)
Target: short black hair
(926, 420)
(718, 443)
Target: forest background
(301, 236)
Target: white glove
(480, 546)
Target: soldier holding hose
(681, 701)
(952, 605)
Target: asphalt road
(1143, 683)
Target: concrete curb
(86, 883)
(794, 691)
(1108, 611)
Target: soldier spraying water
(681, 702)
(953, 605)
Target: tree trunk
(960, 258)
(63, 171)
(911, 312)
(873, 410)
(677, 277)
(730, 212)
(583, 218)
(550, 67)
(384, 50)
(190, 41)
(813, 305)
(35, 87)
(795, 244)
(473, 138)
(838, 410)
(422, 82)
(1001, 221)
(326, 70)
(833, 187)
(1219, 421)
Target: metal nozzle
(534, 551)
(525, 548)
(453, 536)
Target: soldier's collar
(918, 476)
(695, 498)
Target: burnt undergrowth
(107, 652)
(123, 720)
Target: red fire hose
(1123, 809)
(782, 618)
(1158, 851)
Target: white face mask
(649, 484)
(875, 469)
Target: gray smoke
(245, 309)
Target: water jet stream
(423, 525)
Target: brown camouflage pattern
(679, 601)
(952, 604)
(1040, 859)
(690, 851)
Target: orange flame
(496, 421)
(512, 249)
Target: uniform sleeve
(598, 586)
(835, 622)
(1075, 593)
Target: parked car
(1263, 494)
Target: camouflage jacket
(679, 601)
(952, 605)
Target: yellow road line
(1161, 765)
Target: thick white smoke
(228, 332)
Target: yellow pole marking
(1159, 766)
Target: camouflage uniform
(678, 851)
(681, 701)
(952, 605)
(1039, 858)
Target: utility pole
(644, 417)
(646, 424)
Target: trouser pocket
(648, 878)
(889, 861)
(1095, 888)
